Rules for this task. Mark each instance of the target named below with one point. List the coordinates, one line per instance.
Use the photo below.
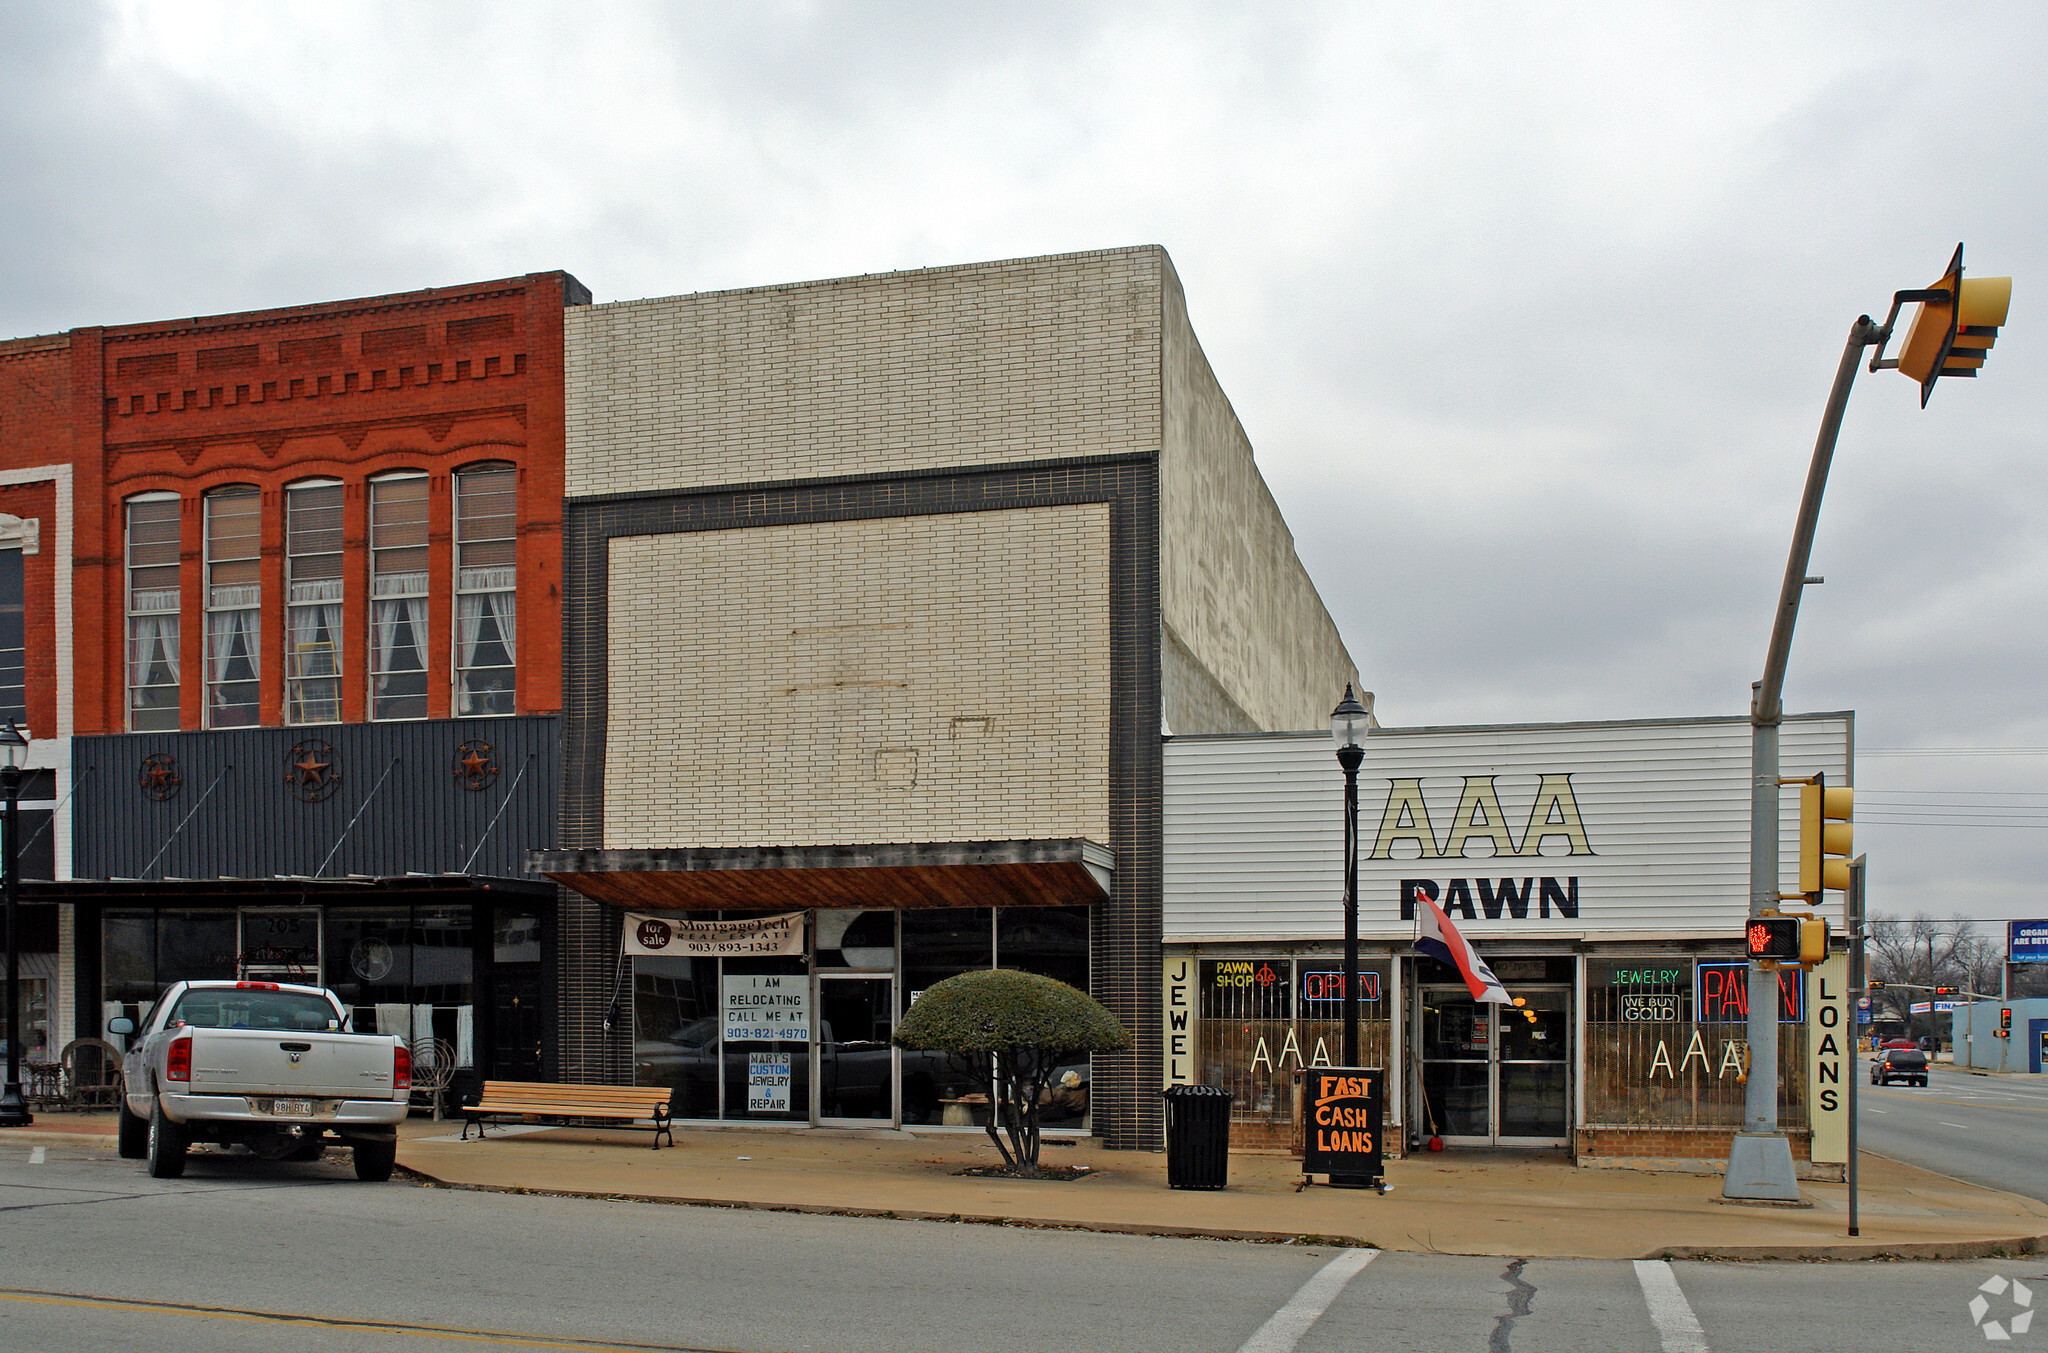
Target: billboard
(2026, 942)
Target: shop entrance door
(1495, 1075)
(855, 1063)
(280, 944)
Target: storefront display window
(1265, 1019)
(1653, 1060)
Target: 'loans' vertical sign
(1830, 1061)
(1177, 998)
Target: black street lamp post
(1348, 723)
(13, 1108)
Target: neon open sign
(1329, 986)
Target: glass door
(280, 944)
(855, 1069)
(1495, 1075)
(1456, 1042)
(1533, 1069)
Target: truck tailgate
(270, 1062)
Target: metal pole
(1350, 758)
(13, 1108)
(1760, 1159)
(1856, 997)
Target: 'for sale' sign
(1342, 1106)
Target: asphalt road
(240, 1255)
(1990, 1130)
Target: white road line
(1283, 1330)
(35, 1155)
(1678, 1329)
(1964, 1126)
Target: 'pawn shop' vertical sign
(1341, 1111)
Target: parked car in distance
(1898, 1043)
(1899, 1064)
(263, 1065)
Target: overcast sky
(1529, 310)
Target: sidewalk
(1493, 1203)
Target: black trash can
(1197, 1137)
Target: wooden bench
(628, 1104)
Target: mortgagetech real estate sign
(1558, 829)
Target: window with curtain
(13, 640)
(152, 658)
(398, 597)
(486, 590)
(312, 617)
(234, 594)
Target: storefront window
(944, 942)
(1654, 1060)
(675, 1031)
(767, 1076)
(1265, 1019)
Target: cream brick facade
(1249, 646)
(926, 678)
(991, 363)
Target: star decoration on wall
(313, 770)
(475, 766)
(159, 776)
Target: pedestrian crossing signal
(1773, 937)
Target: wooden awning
(1062, 873)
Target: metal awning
(1060, 873)
(277, 889)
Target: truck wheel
(166, 1146)
(134, 1134)
(374, 1160)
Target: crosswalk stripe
(1678, 1329)
(1284, 1328)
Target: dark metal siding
(253, 826)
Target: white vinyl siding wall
(1254, 827)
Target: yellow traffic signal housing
(1826, 836)
(1953, 336)
(1813, 942)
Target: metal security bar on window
(1265, 1019)
(1654, 1060)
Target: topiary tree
(1008, 1032)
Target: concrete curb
(57, 1138)
(1927, 1250)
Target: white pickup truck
(262, 1065)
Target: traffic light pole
(1857, 994)
(1760, 1157)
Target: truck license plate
(292, 1108)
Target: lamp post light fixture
(13, 751)
(1348, 725)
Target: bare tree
(1914, 956)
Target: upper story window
(312, 616)
(153, 612)
(486, 590)
(13, 640)
(234, 606)
(398, 596)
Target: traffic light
(1873, 986)
(2005, 1019)
(1775, 937)
(1826, 835)
(1813, 941)
(1944, 991)
(1952, 336)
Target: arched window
(313, 591)
(152, 594)
(234, 605)
(398, 596)
(486, 589)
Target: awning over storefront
(277, 891)
(1061, 873)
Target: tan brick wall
(930, 678)
(989, 363)
(1231, 590)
